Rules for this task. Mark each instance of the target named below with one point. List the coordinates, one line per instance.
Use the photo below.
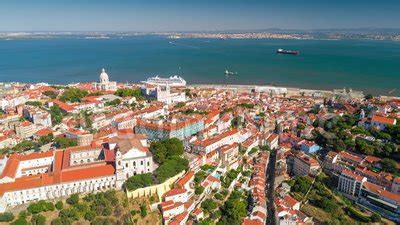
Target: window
(141, 163)
(134, 163)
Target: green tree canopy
(63, 142)
(50, 94)
(73, 95)
(126, 92)
(139, 181)
(56, 114)
(166, 149)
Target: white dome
(103, 76)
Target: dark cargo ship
(281, 51)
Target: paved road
(270, 188)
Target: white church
(105, 84)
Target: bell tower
(119, 169)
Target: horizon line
(214, 30)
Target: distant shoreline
(279, 34)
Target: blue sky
(188, 15)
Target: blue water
(372, 66)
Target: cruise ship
(173, 81)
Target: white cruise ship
(173, 81)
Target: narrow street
(270, 176)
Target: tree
(56, 114)
(139, 181)
(339, 145)
(234, 209)
(20, 221)
(171, 167)
(199, 190)
(63, 142)
(50, 94)
(73, 199)
(301, 184)
(88, 119)
(46, 139)
(301, 126)
(69, 214)
(73, 95)
(97, 93)
(246, 105)
(199, 177)
(159, 152)
(126, 92)
(209, 205)
(56, 221)
(59, 205)
(180, 104)
(40, 206)
(166, 149)
(143, 211)
(34, 103)
(389, 165)
(90, 215)
(328, 205)
(375, 217)
(368, 96)
(6, 217)
(38, 219)
(114, 102)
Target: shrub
(73, 199)
(375, 217)
(143, 211)
(358, 215)
(134, 212)
(90, 215)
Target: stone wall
(159, 189)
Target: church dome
(103, 76)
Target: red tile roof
(188, 176)
(384, 120)
(380, 191)
(207, 142)
(175, 191)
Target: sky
(195, 15)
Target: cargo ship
(281, 51)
